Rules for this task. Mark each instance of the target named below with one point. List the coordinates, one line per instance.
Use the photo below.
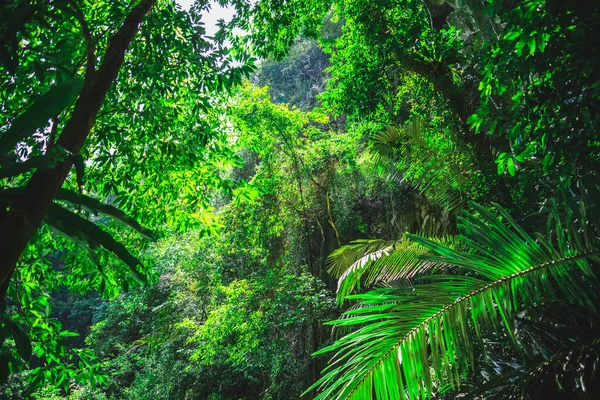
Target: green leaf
(519, 47)
(512, 35)
(502, 156)
(531, 44)
(37, 115)
(521, 157)
(92, 234)
(501, 166)
(94, 206)
(510, 166)
(548, 161)
(68, 334)
(541, 42)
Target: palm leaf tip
(377, 262)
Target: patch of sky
(214, 14)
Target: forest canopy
(334, 199)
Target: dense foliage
(400, 200)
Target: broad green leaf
(510, 166)
(531, 44)
(501, 167)
(512, 35)
(92, 205)
(39, 113)
(94, 234)
(68, 334)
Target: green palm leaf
(431, 163)
(373, 262)
(411, 342)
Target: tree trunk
(440, 75)
(22, 220)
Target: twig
(90, 45)
(52, 137)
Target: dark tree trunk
(22, 220)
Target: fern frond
(410, 342)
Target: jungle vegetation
(326, 199)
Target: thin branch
(428, 14)
(90, 45)
(337, 234)
(52, 136)
(114, 111)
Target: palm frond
(373, 262)
(412, 342)
(342, 258)
(430, 163)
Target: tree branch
(52, 136)
(23, 219)
(90, 45)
